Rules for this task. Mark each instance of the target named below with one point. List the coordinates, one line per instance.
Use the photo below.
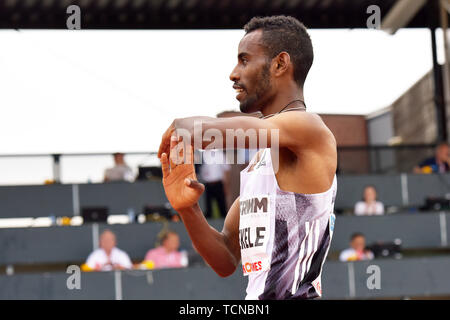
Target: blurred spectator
(214, 173)
(357, 250)
(369, 206)
(439, 163)
(108, 256)
(121, 171)
(167, 254)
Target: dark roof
(190, 14)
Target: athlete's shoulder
(306, 126)
(299, 118)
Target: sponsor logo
(252, 267)
(253, 205)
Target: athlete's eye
(243, 61)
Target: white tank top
(284, 236)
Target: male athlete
(281, 225)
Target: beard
(253, 101)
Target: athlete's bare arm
(307, 148)
(220, 250)
(295, 129)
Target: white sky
(93, 91)
(103, 91)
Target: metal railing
(89, 167)
(64, 167)
(382, 159)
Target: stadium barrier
(415, 277)
(68, 199)
(72, 244)
(400, 191)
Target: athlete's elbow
(224, 273)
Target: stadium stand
(39, 255)
(400, 191)
(66, 244)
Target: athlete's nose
(234, 76)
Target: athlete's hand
(164, 147)
(179, 180)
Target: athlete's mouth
(239, 90)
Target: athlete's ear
(281, 63)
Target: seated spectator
(108, 256)
(439, 163)
(369, 206)
(167, 254)
(120, 172)
(357, 250)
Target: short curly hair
(285, 33)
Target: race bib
(254, 233)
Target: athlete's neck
(282, 99)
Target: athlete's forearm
(227, 133)
(209, 242)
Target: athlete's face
(251, 76)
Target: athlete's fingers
(165, 165)
(194, 184)
(189, 151)
(174, 155)
(180, 150)
(160, 152)
(164, 146)
(165, 142)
